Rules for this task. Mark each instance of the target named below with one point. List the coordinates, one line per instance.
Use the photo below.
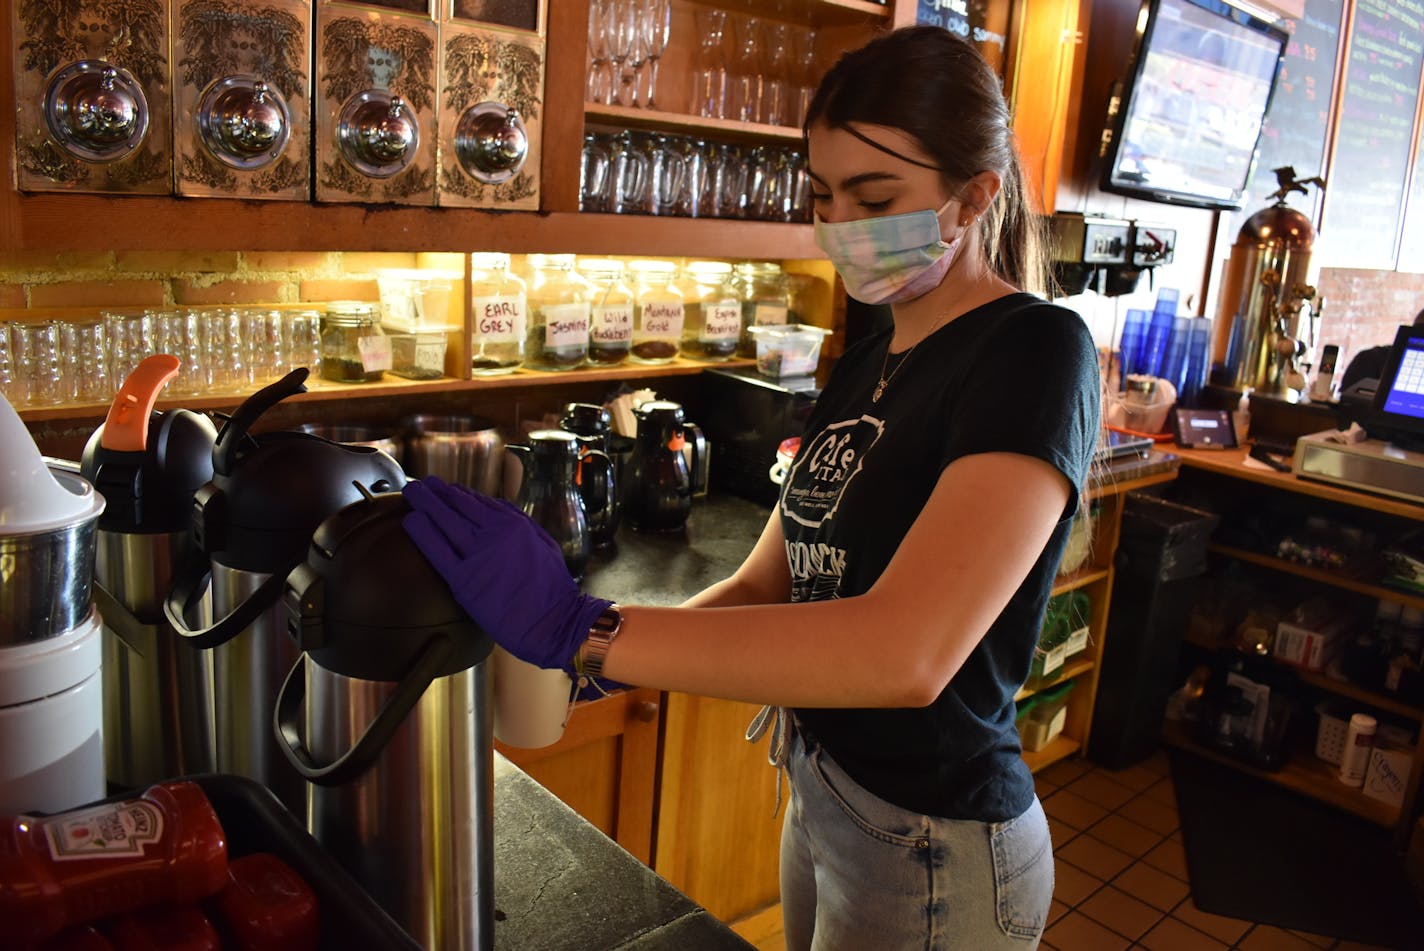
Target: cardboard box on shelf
(1387, 774)
(1311, 636)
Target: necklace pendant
(879, 391)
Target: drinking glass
(220, 332)
(697, 167)
(775, 56)
(600, 62)
(130, 340)
(618, 28)
(803, 69)
(627, 175)
(84, 362)
(666, 170)
(728, 182)
(178, 337)
(709, 87)
(9, 387)
(746, 80)
(37, 361)
(593, 174)
(262, 338)
(303, 340)
(657, 27)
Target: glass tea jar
(498, 315)
(761, 288)
(657, 312)
(711, 312)
(610, 321)
(354, 348)
(558, 314)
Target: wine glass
(747, 79)
(638, 50)
(709, 88)
(618, 28)
(657, 27)
(775, 98)
(599, 52)
(803, 68)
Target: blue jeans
(860, 874)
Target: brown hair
(936, 87)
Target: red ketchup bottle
(70, 868)
(267, 906)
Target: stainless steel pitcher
(466, 450)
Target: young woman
(892, 603)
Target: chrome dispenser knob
(244, 122)
(377, 133)
(96, 111)
(491, 142)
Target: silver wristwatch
(600, 638)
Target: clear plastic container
(559, 302)
(610, 327)
(791, 350)
(354, 348)
(657, 314)
(498, 315)
(712, 313)
(765, 297)
(417, 301)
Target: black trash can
(1161, 556)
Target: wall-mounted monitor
(1186, 124)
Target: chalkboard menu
(1376, 128)
(1294, 132)
(1411, 239)
(985, 23)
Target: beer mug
(593, 174)
(627, 176)
(666, 171)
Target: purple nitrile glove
(504, 570)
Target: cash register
(1390, 410)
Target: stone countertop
(559, 883)
(665, 569)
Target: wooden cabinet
(1219, 480)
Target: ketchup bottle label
(119, 830)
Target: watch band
(600, 637)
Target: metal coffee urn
(158, 704)
(252, 524)
(51, 715)
(397, 725)
(1264, 334)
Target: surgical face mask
(890, 259)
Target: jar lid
(758, 267)
(551, 260)
(603, 266)
(351, 309)
(649, 266)
(708, 267)
(489, 260)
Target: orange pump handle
(126, 426)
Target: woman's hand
(503, 569)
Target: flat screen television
(1186, 125)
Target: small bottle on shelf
(1358, 742)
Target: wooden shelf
(1080, 579)
(626, 117)
(1333, 578)
(1071, 669)
(393, 386)
(1303, 773)
(1059, 748)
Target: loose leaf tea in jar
(610, 329)
(498, 321)
(354, 348)
(657, 312)
(558, 314)
(712, 314)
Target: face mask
(889, 259)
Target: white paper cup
(531, 704)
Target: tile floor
(1122, 872)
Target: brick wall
(1363, 308)
(82, 283)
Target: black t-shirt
(1015, 375)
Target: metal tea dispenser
(491, 91)
(242, 85)
(251, 525)
(375, 107)
(92, 97)
(158, 705)
(1264, 337)
(387, 715)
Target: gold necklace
(885, 378)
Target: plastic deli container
(788, 350)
